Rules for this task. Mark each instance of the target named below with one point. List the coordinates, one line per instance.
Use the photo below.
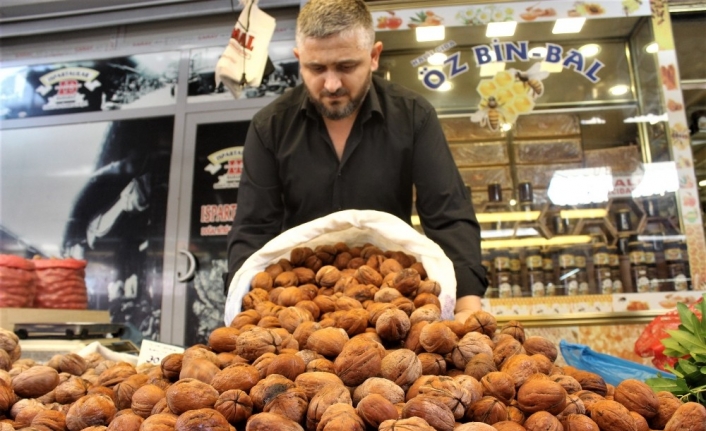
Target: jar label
(649, 257)
(538, 289)
(533, 262)
(613, 260)
(654, 285)
(601, 259)
(583, 288)
(643, 284)
(637, 257)
(517, 291)
(607, 287)
(550, 289)
(502, 263)
(680, 283)
(505, 290)
(580, 261)
(572, 289)
(566, 260)
(547, 264)
(617, 286)
(672, 254)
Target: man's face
(337, 72)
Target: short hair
(320, 19)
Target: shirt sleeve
(259, 214)
(444, 205)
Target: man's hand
(465, 306)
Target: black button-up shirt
(292, 175)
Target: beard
(339, 111)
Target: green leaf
(673, 348)
(686, 367)
(674, 371)
(688, 318)
(703, 370)
(674, 386)
(699, 358)
(689, 341)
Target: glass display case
(573, 141)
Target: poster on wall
(218, 166)
(283, 74)
(98, 192)
(137, 81)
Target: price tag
(152, 352)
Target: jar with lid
(526, 196)
(614, 263)
(548, 269)
(638, 268)
(675, 266)
(651, 263)
(582, 274)
(567, 273)
(516, 274)
(502, 274)
(601, 265)
(622, 220)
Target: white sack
(353, 227)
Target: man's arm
(259, 214)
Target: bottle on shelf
(550, 281)
(526, 196)
(651, 263)
(502, 274)
(535, 272)
(582, 274)
(601, 265)
(638, 267)
(569, 284)
(678, 276)
(615, 273)
(515, 274)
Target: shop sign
(229, 160)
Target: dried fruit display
(337, 337)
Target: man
(346, 139)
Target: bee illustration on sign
(508, 94)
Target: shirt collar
(371, 103)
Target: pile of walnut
(337, 339)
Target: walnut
(328, 342)
(378, 385)
(388, 266)
(292, 403)
(431, 409)
(514, 414)
(359, 359)
(480, 365)
(69, 391)
(429, 286)
(544, 364)
(432, 364)
(254, 342)
(449, 391)
(472, 344)
(190, 394)
(422, 299)
(347, 303)
(668, 404)
(263, 362)
(35, 381)
(354, 321)
(325, 303)
(49, 420)
(195, 420)
(322, 364)
(499, 385)
(575, 422)
(407, 281)
(223, 339)
(159, 422)
(271, 421)
(374, 409)
(268, 388)
(291, 317)
(116, 374)
(298, 255)
(342, 259)
(387, 294)
(612, 416)
(436, 337)
(313, 262)
(327, 276)
(9, 342)
(393, 325)
(200, 369)
(543, 421)
(341, 417)
(472, 386)
(407, 424)
(488, 410)
(329, 395)
(72, 363)
(262, 280)
(591, 382)
(689, 416)
(126, 422)
(171, 366)
(401, 366)
(287, 365)
(90, 410)
(125, 389)
(286, 279)
(574, 405)
(480, 426)
(640, 422)
(541, 394)
(160, 407)
(290, 296)
(235, 405)
(638, 397)
(481, 321)
(405, 304)
(520, 367)
(252, 300)
(145, 398)
(505, 349)
(313, 382)
(537, 344)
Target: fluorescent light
(580, 186)
(536, 242)
(568, 25)
(437, 59)
(702, 183)
(505, 233)
(652, 48)
(505, 127)
(446, 86)
(649, 118)
(589, 50)
(538, 52)
(592, 121)
(646, 238)
(619, 90)
(499, 29)
(430, 33)
(583, 213)
(508, 216)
